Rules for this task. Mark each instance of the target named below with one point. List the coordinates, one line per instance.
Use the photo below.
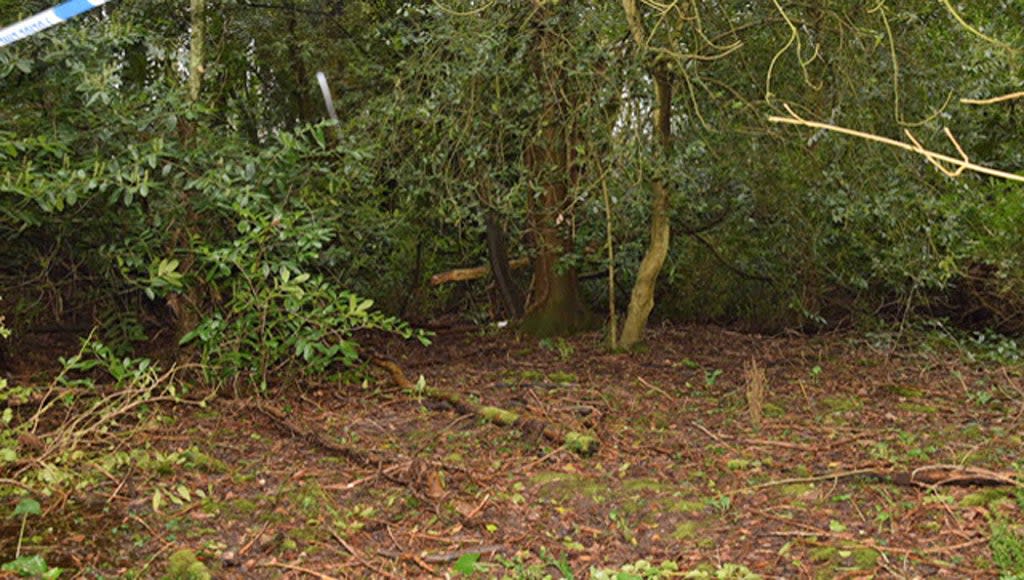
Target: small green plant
(688, 363)
(468, 564)
(517, 567)
(4, 331)
(26, 507)
(711, 377)
(721, 504)
(980, 398)
(559, 346)
(623, 526)
(34, 566)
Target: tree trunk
(641, 300)
(555, 308)
(511, 297)
(303, 105)
(185, 306)
(196, 49)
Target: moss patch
(905, 391)
(685, 530)
(917, 408)
(801, 490)
(685, 506)
(646, 484)
(984, 498)
(842, 404)
(564, 486)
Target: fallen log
(465, 274)
(579, 443)
(927, 476)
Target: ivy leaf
(466, 564)
(34, 566)
(836, 526)
(28, 507)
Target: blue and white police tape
(46, 19)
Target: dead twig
(294, 568)
(248, 545)
(360, 558)
(717, 438)
(811, 479)
(656, 389)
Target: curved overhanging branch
(993, 100)
(960, 165)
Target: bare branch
(993, 100)
(932, 156)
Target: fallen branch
(294, 568)
(360, 558)
(578, 442)
(445, 557)
(465, 274)
(280, 419)
(935, 475)
(927, 476)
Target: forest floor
(681, 474)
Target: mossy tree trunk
(641, 300)
(197, 49)
(555, 308)
(184, 305)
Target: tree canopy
(144, 187)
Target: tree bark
(497, 244)
(303, 105)
(641, 300)
(556, 308)
(197, 49)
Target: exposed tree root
(578, 442)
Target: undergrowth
(54, 436)
(1007, 544)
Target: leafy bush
(160, 217)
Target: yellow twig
(960, 20)
(993, 100)
(795, 119)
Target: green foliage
(101, 390)
(29, 566)
(1007, 544)
(249, 245)
(260, 238)
(34, 566)
(467, 565)
(5, 332)
(27, 507)
(559, 345)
